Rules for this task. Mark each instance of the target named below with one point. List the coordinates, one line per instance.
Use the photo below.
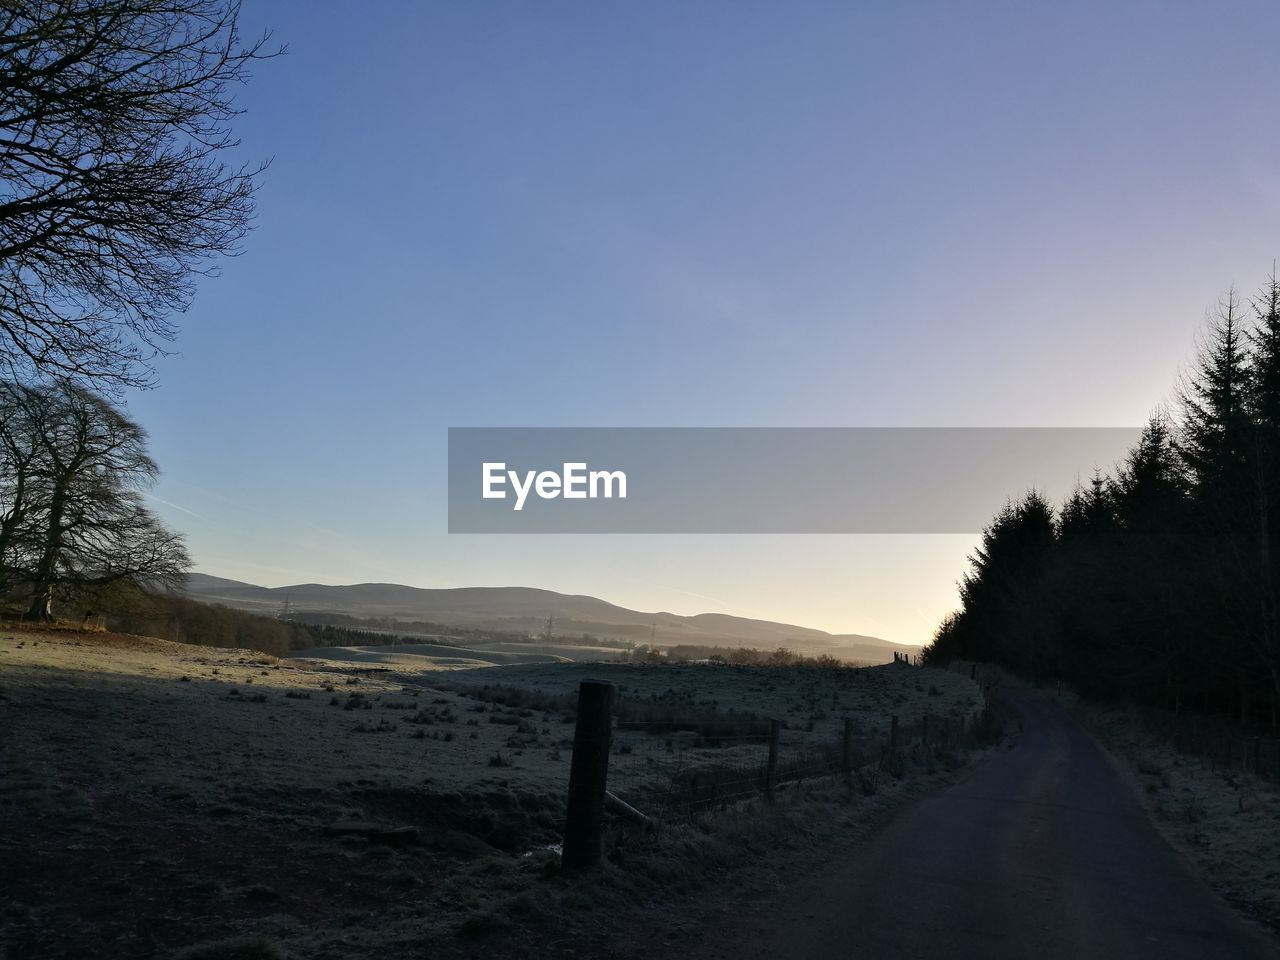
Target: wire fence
(670, 758)
(668, 770)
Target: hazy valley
(525, 610)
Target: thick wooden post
(771, 770)
(846, 749)
(924, 730)
(1257, 756)
(588, 775)
(893, 738)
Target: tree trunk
(1275, 697)
(13, 519)
(41, 604)
(42, 593)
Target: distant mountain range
(526, 609)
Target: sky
(703, 214)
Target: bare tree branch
(114, 119)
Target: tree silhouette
(1156, 584)
(1263, 400)
(71, 499)
(114, 194)
(1215, 422)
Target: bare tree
(83, 525)
(114, 121)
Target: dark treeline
(392, 630)
(340, 629)
(184, 620)
(414, 631)
(1156, 582)
(335, 635)
(742, 656)
(171, 617)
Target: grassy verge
(1226, 821)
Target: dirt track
(1044, 852)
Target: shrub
(382, 726)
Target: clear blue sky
(1005, 214)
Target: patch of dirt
(91, 638)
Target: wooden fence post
(771, 770)
(588, 775)
(893, 738)
(846, 749)
(924, 730)
(1257, 756)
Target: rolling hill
(526, 609)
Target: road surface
(1044, 853)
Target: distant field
(425, 656)
(198, 782)
(562, 651)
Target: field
(200, 786)
(425, 656)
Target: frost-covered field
(192, 724)
(810, 702)
(197, 784)
(199, 725)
